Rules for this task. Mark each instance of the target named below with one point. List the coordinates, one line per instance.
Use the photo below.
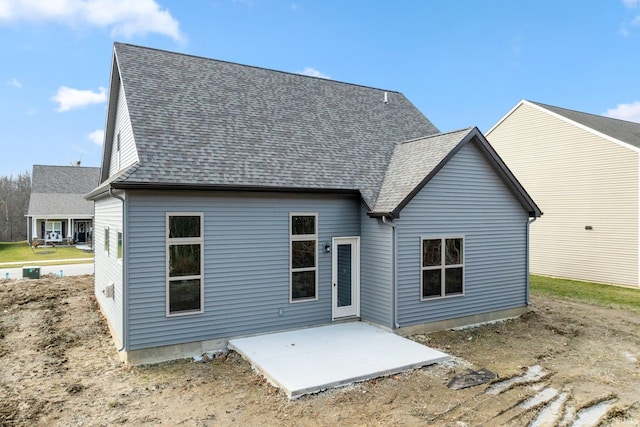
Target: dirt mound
(559, 364)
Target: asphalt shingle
(199, 121)
(60, 190)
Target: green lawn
(590, 293)
(22, 252)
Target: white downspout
(394, 276)
(529, 222)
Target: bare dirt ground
(565, 364)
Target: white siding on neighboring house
(578, 179)
(108, 269)
(127, 155)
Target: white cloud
(124, 17)
(97, 136)
(14, 82)
(70, 99)
(308, 71)
(629, 112)
(631, 3)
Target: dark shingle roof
(411, 163)
(621, 130)
(199, 121)
(60, 190)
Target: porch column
(34, 227)
(70, 231)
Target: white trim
(184, 240)
(354, 241)
(442, 267)
(302, 237)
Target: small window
(442, 267)
(303, 257)
(119, 244)
(184, 263)
(106, 240)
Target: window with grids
(303, 257)
(184, 263)
(442, 267)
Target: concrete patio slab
(310, 360)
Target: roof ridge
(257, 67)
(435, 135)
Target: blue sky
(462, 63)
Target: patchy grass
(590, 293)
(22, 252)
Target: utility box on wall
(31, 272)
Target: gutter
(394, 276)
(125, 304)
(529, 222)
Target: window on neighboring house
(53, 230)
(106, 240)
(303, 256)
(184, 263)
(442, 267)
(119, 244)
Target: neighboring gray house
(236, 200)
(58, 211)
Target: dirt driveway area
(560, 364)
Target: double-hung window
(185, 263)
(442, 267)
(303, 256)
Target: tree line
(14, 203)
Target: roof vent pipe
(386, 98)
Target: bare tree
(14, 202)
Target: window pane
(184, 226)
(303, 254)
(106, 240)
(453, 281)
(453, 251)
(184, 295)
(184, 260)
(119, 244)
(303, 225)
(431, 284)
(431, 252)
(303, 284)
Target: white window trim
(443, 266)
(299, 237)
(184, 240)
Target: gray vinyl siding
(466, 198)
(376, 271)
(128, 153)
(246, 264)
(108, 269)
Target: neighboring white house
(583, 170)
